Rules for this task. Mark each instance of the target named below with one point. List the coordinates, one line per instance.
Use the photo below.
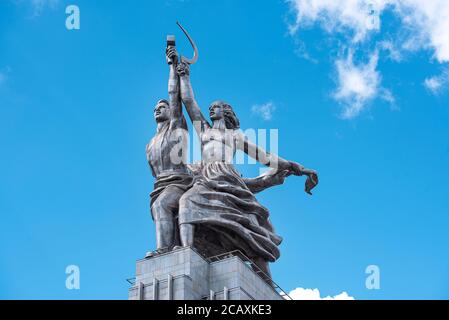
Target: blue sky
(367, 107)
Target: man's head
(161, 111)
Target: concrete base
(185, 275)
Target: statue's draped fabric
(219, 201)
(182, 181)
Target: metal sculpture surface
(209, 206)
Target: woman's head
(221, 110)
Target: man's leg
(164, 210)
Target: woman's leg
(186, 233)
(186, 229)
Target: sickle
(195, 48)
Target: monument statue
(209, 206)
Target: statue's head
(221, 110)
(162, 111)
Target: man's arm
(188, 97)
(174, 96)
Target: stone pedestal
(185, 275)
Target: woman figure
(219, 213)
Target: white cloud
(394, 53)
(355, 16)
(429, 22)
(265, 111)
(424, 22)
(437, 83)
(314, 294)
(433, 84)
(357, 84)
(424, 25)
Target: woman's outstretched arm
(266, 180)
(264, 157)
(275, 162)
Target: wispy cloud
(426, 22)
(4, 75)
(2, 78)
(436, 84)
(38, 6)
(314, 294)
(423, 25)
(265, 111)
(357, 84)
(334, 16)
(392, 50)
